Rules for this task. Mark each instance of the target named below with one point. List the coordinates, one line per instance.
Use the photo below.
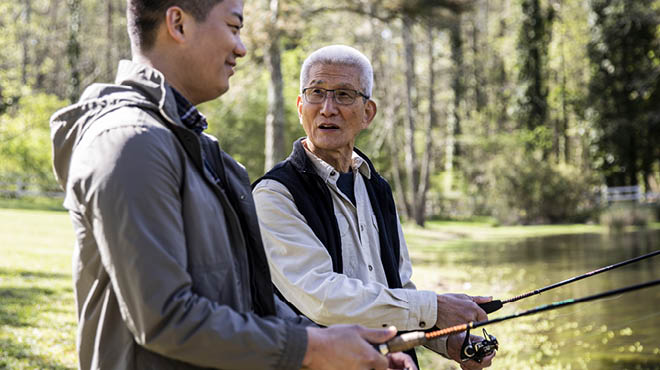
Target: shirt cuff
(423, 310)
(423, 316)
(438, 345)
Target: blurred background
(521, 138)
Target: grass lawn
(37, 309)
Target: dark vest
(314, 201)
(312, 198)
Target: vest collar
(302, 163)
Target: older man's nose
(329, 106)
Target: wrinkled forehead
(334, 75)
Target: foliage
(520, 186)
(624, 90)
(25, 150)
(619, 216)
(498, 66)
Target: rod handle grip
(491, 306)
(402, 342)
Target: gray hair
(342, 55)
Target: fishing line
(495, 305)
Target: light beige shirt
(301, 267)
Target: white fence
(629, 193)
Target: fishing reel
(477, 351)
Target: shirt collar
(189, 115)
(326, 171)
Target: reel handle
(491, 306)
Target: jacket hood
(136, 85)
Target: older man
(328, 219)
(169, 267)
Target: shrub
(520, 186)
(620, 215)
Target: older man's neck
(339, 159)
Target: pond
(621, 332)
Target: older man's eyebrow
(341, 85)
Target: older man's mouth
(328, 126)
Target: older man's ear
(299, 104)
(370, 111)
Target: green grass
(37, 311)
(34, 203)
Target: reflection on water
(617, 333)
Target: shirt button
(242, 196)
(422, 324)
(361, 227)
(371, 268)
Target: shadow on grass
(19, 305)
(27, 274)
(13, 352)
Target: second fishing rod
(410, 340)
(495, 305)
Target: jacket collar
(151, 83)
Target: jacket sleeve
(301, 269)
(128, 183)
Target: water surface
(620, 332)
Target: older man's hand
(455, 309)
(454, 344)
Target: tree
(275, 147)
(624, 91)
(533, 41)
(73, 49)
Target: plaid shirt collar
(188, 114)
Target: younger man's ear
(175, 19)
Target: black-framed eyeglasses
(316, 95)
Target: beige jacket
(161, 270)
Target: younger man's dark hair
(144, 17)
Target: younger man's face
(212, 55)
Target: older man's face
(328, 125)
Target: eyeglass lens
(341, 96)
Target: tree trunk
(109, 49)
(275, 118)
(453, 150)
(420, 215)
(25, 42)
(480, 98)
(564, 107)
(409, 147)
(390, 134)
(73, 50)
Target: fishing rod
(495, 305)
(410, 340)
